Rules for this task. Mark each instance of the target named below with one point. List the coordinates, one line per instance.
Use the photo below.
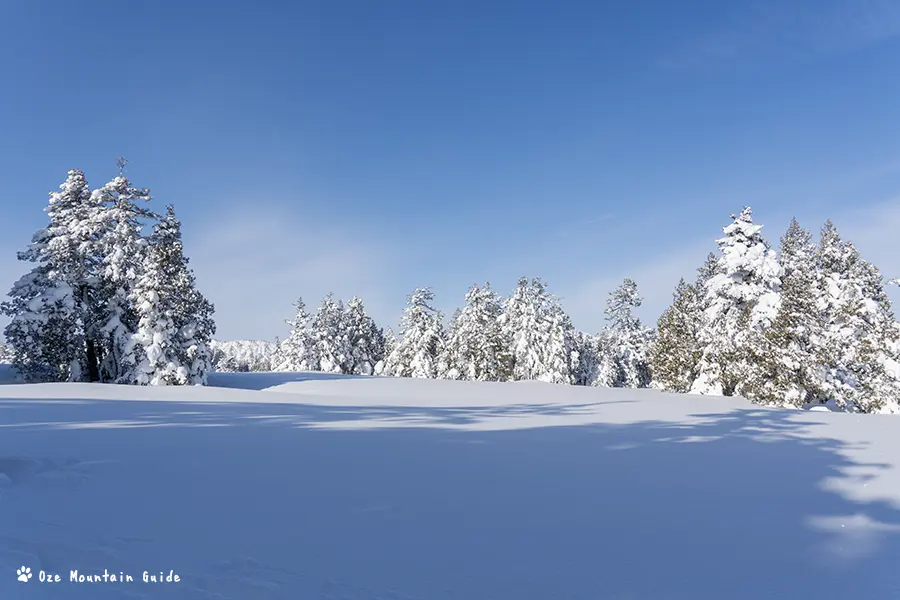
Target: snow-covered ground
(402, 489)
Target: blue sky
(372, 147)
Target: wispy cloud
(789, 30)
(254, 265)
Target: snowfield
(296, 486)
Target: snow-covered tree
(47, 306)
(743, 297)
(544, 344)
(622, 346)
(298, 351)
(365, 338)
(477, 347)
(390, 342)
(675, 353)
(860, 335)
(422, 339)
(330, 336)
(785, 367)
(122, 253)
(175, 323)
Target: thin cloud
(789, 31)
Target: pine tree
(623, 345)
(743, 297)
(477, 347)
(365, 338)
(860, 335)
(47, 306)
(175, 322)
(122, 253)
(785, 367)
(675, 353)
(544, 344)
(390, 342)
(330, 335)
(422, 339)
(298, 351)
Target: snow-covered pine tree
(50, 306)
(175, 324)
(298, 351)
(122, 252)
(543, 339)
(422, 339)
(675, 353)
(622, 354)
(477, 347)
(860, 336)
(588, 364)
(743, 297)
(330, 335)
(784, 362)
(365, 338)
(390, 342)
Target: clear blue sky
(371, 147)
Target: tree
(623, 344)
(47, 306)
(298, 351)
(122, 254)
(422, 339)
(175, 324)
(330, 336)
(675, 353)
(544, 344)
(742, 297)
(365, 338)
(478, 347)
(860, 336)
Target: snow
(301, 485)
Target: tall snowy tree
(175, 324)
(860, 335)
(623, 344)
(122, 251)
(50, 306)
(298, 351)
(365, 338)
(331, 338)
(422, 339)
(544, 345)
(785, 367)
(477, 347)
(743, 297)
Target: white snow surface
(400, 489)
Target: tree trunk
(91, 359)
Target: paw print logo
(24, 574)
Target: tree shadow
(291, 501)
